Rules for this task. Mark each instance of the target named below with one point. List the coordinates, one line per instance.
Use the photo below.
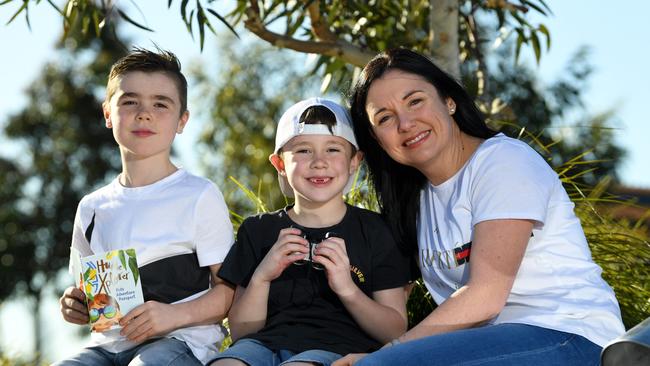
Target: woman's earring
(452, 110)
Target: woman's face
(410, 120)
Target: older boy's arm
(156, 319)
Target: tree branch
(331, 46)
(319, 26)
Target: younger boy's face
(144, 113)
(317, 166)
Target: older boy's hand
(349, 360)
(148, 320)
(289, 248)
(73, 306)
(331, 253)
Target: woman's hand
(350, 359)
(289, 248)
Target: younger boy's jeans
(161, 351)
(492, 345)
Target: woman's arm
(497, 251)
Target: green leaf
(224, 21)
(23, 7)
(87, 274)
(96, 22)
(250, 194)
(126, 17)
(184, 10)
(189, 23)
(55, 7)
(201, 20)
(133, 266)
(536, 46)
(85, 22)
(532, 5)
(521, 39)
(546, 6)
(542, 28)
(296, 25)
(120, 254)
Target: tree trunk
(443, 35)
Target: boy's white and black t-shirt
(303, 312)
(558, 286)
(179, 226)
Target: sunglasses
(109, 312)
(313, 244)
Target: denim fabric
(163, 351)
(502, 345)
(254, 353)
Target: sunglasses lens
(109, 311)
(93, 314)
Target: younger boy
(178, 224)
(319, 278)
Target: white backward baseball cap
(290, 126)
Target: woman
(500, 248)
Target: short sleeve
(79, 241)
(242, 260)
(391, 267)
(511, 181)
(214, 234)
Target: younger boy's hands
(150, 319)
(332, 254)
(289, 248)
(73, 306)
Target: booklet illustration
(111, 282)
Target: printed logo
(358, 273)
(461, 254)
(446, 259)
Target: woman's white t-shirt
(558, 285)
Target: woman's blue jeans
(503, 345)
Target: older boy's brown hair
(147, 61)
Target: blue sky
(615, 31)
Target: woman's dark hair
(398, 186)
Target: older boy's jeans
(503, 345)
(163, 351)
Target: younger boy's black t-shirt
(303, 312)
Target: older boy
(177, 222)
(346, 295)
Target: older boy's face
(318, 166)
(144, 115)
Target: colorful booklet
(111, 282)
